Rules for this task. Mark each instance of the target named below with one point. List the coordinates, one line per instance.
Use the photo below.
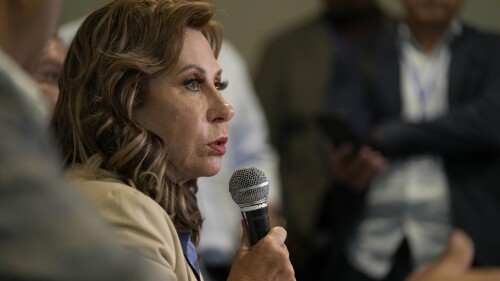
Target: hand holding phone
(337, 129)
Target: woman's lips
(219, 146)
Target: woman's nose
(220, 110)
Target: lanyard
(426, 87)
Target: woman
(140, 117)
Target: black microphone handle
(257, 223)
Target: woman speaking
(139, 118)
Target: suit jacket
(292, 84)
(140, 225)
(46, 231)
(467, 137)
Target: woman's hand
(268, 260)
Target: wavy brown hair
(114, 55)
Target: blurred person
(47, 232)
(430, 164)
(140, 117)
(248, 147)
(299, 70)
(362, 82)
(47, 69)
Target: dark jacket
(467, 137)
(292, 84)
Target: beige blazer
(141, 226)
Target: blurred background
(250, 23)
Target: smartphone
(337, 129)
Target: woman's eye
(193, 85)
(221, 86)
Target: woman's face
(186, 109)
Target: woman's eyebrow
(192, 66)
(198, 68)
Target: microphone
(249, 188)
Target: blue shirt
(190, 252)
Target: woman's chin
(212, 172)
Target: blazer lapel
(387, 78)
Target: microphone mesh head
(249, 186)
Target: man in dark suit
(46, 231)
(434, 114)
(325, 65)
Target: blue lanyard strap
(425, 87)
